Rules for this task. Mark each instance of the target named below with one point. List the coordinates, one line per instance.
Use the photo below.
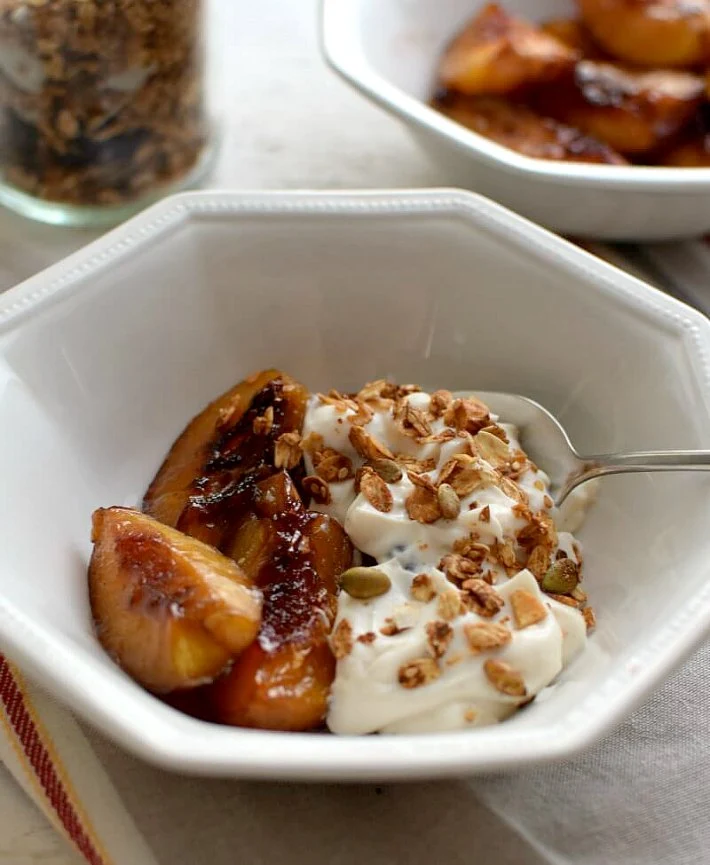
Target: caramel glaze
(282, 680)
(295, 593)
(516, 126)
(236, 461)
(243, 505)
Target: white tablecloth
(641, 796)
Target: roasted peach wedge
(498, 53)
(573, 34)
(205, 483)
(671, 33)
(172, 611)
(633, 112)
(521, 129)
(169, 490)
(691, 153)
(282, 681)
(242, 454)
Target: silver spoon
(547, 444)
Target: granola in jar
(102, 102)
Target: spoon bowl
(546, 442)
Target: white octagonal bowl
(389, 51)
(104, 357)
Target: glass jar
(102, 105)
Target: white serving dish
(105, 356)
(389, 49)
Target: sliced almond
(527, 608)
(589, 618)
(367, 445)
(449, 502)
(497, 431)
(421, 481)
(513, 491)
(491, 449)
(504, 678)
(486, 636)
(376, 491)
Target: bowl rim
(165, 736)
(343, 53)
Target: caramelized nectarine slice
(168, 492)
(498, 53)
(519, 128)
(573, 34)
(691, 153)
(171, 610)
(651, 32)
(282, 681)
(242, 453)
(633, 112)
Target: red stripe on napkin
(12, 700)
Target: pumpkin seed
(388, 470)
(365, 583)
(562, 577)
(448, 501)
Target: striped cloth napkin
(46, 751)
(52, 759)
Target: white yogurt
(367, 695)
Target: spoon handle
(648, 461)
(643, 461)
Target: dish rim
(344, 55)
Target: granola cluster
(474, 562)
(488, 460)
(101, 101)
